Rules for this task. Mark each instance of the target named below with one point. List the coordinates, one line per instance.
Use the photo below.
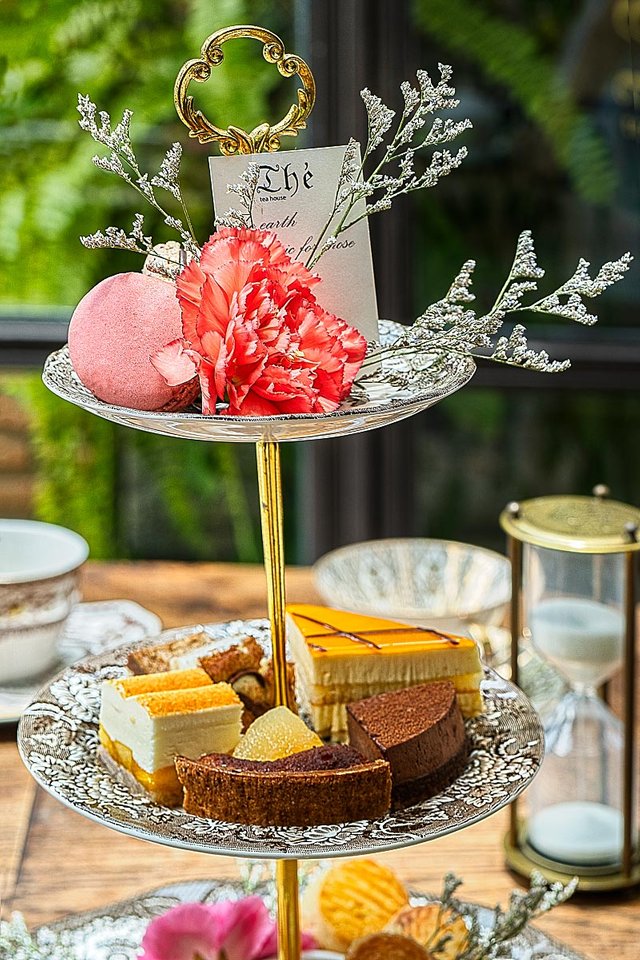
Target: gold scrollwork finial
(234, 140)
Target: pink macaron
(115, 329)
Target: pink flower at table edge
(254, 333)
(231, 930)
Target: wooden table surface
(55, 862)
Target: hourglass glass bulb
(582, 638)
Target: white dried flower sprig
(395, 172)
(245, 190)
(114, 237)
(122, 162)
(524, 906)
(450, 326)
(17, 943)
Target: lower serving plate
(58, 739)
(117, 930)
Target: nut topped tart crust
(431, 923)
(145, 721)
(343, 657)
(388, 946)
(419, 731)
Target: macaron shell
(114, 331)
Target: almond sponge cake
(182, 653)
(342, 657)
(243, 665)
(419, 731)
(146, 721)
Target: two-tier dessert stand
(58, 732)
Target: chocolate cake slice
(328, 784)
(419, 731)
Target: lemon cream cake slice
(341, 657)
(146, 721)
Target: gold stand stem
(271, 517)
(288, 911)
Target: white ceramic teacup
(39, 584)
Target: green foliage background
(93, 476)
(133, 494)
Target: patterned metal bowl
(437, 583)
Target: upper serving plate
(58, 740)
(388, 402)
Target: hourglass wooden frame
(582, 525)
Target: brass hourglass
(574, 576)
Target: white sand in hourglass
(583, 639)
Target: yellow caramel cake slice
(146, 721)
(342, 657)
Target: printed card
(295, 197)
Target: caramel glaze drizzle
(362, 637)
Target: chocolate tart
(419, 731)
(328, 784)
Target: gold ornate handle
(234, 140)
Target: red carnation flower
(254, 333)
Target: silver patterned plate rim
(388, 403)
(58, 736)
(75, 643)
(129, 917)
